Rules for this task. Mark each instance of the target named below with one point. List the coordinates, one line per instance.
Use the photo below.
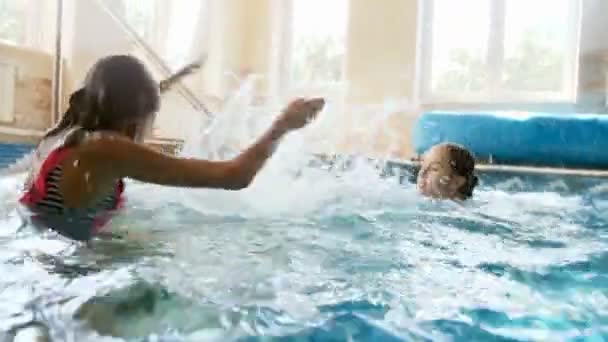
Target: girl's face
(437, 178)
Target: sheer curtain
(186, 32)
(175, 29)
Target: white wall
(593, 66)
(594, 27)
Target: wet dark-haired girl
(75, 105)
(447, 172)
(76, 180)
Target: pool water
(322, 255)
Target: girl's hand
(299, 113)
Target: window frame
(494, 59)
(33, 21)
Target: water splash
(288, 185)
(318, 252)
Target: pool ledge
(542, 170)
(483, 167)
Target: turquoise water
(328, 256)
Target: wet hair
(118, 90)
(70, 116)
(463, 164)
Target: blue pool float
(520, 138)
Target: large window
(173, 28)
(315, 43)
(28, 23)
(142, 16)
(499, 50)
(187, 31)
(13, 14)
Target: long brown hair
(463, 163)
(118, 90)
(70, 116)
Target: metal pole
(57, 67)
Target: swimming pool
(316, 255)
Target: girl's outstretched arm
(100, 160)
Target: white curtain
(185, 31)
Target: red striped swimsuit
(46, 204)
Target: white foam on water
(286, 186)
(301, 236)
